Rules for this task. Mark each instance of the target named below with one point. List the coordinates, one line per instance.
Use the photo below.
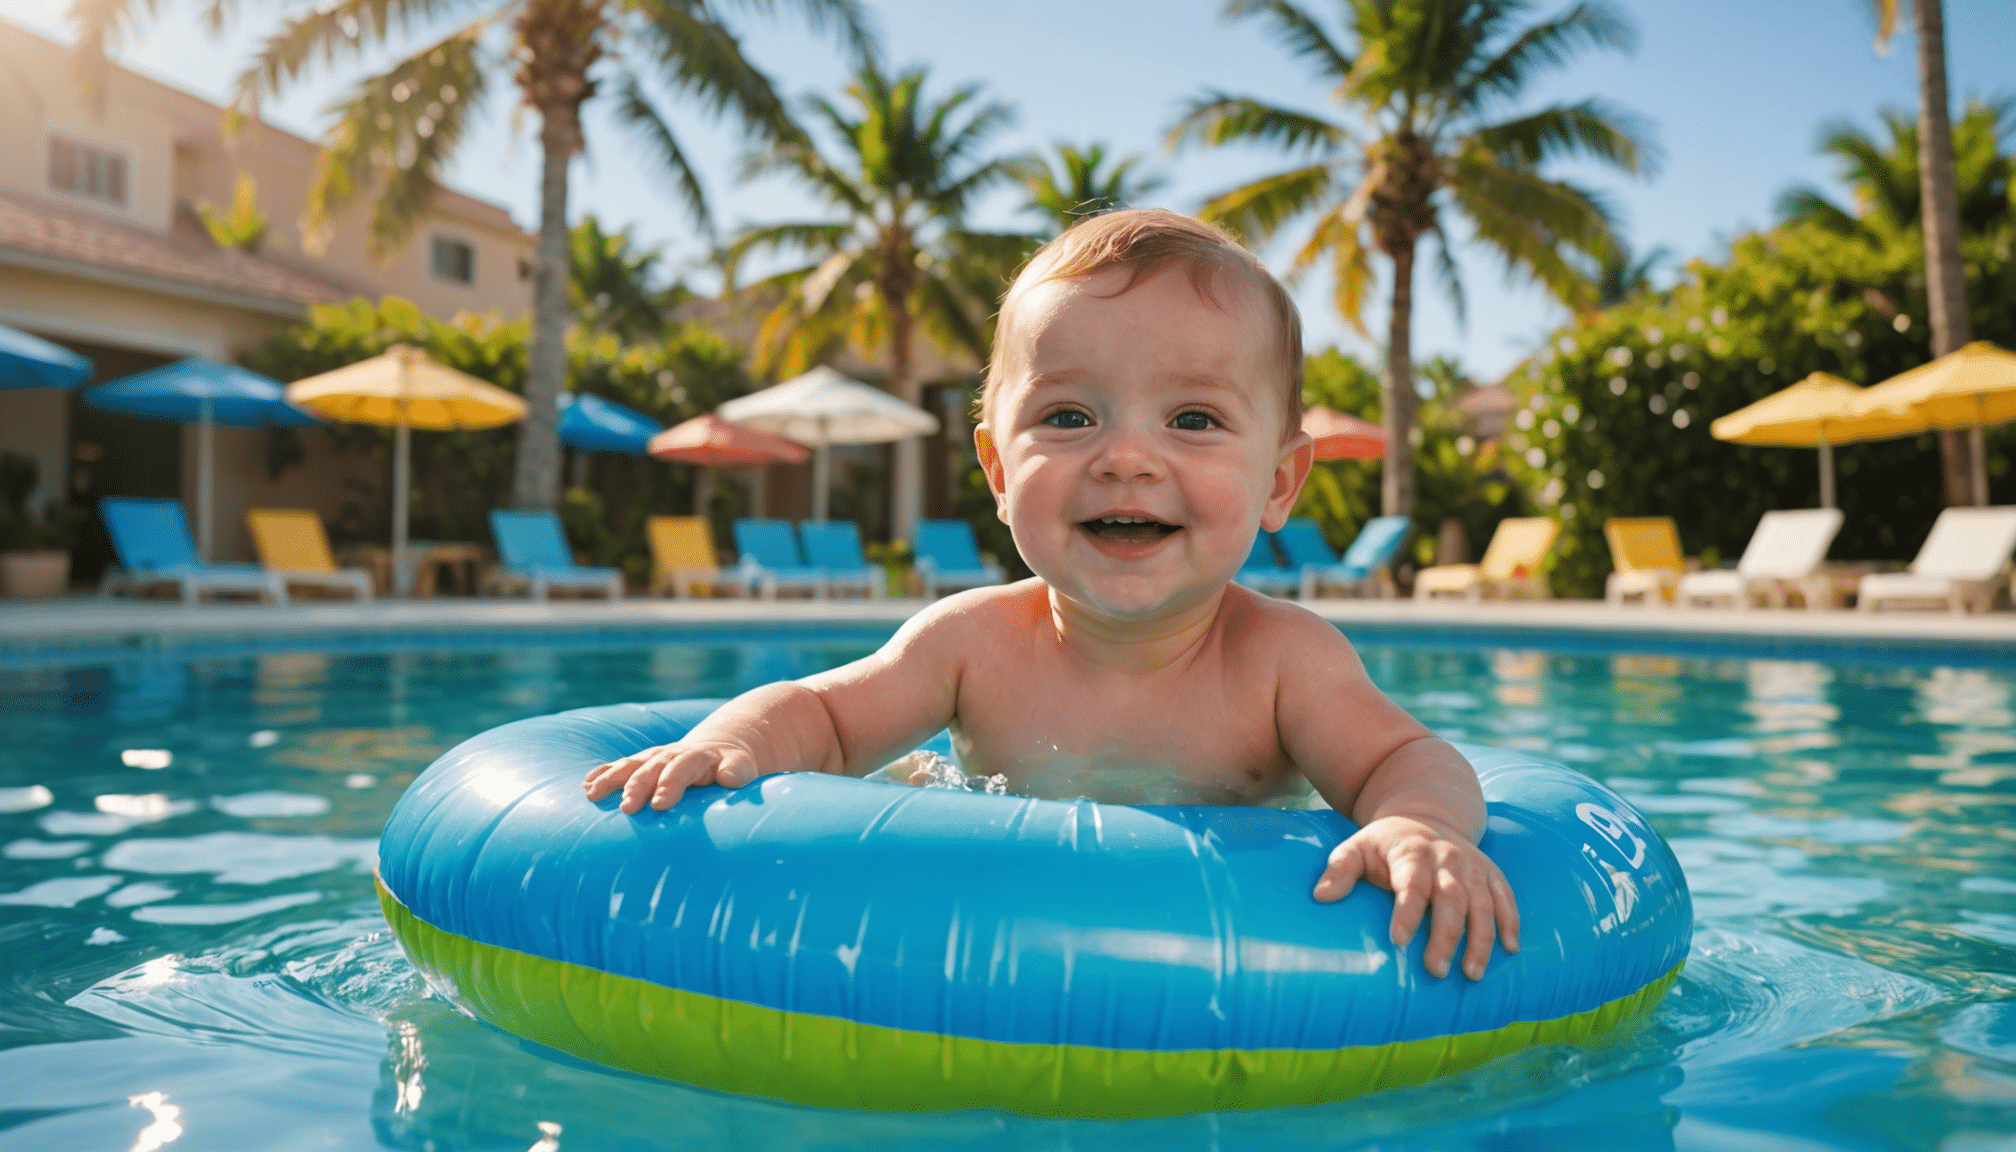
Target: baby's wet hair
(1145, 241)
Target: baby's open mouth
(1128, 529)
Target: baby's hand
(1421, 865)
(659, 776)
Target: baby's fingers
(1483, 930)
(1450, 908)
(1410, 901)
(1340, 874)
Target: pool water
(191, 956)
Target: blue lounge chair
(532, 549)
(1262, 571)
(1302, 544)
(154, 546)
(834, 548)
(1373, 552)
(948, 557)
(771, 559)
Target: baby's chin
(1132, 600)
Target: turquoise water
(191, 958)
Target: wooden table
(464, 565)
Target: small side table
(462, 563)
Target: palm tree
(397, 129)
(1425, 78)
(1882, 175)
(897, 258)
(1945, 273)
(1624, 275)
(612, 284)
(1080, 184)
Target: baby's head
(1142, 413)
(1144, 241)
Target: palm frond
(802, 236)
(1298, 31)
(946, 315)
(1256, 210)
(849, 19)
(1450, 276)
(1548, 44)
(700, 58)
(332, 31)
(635, 111)
(1804, 204)
(1217, 118)
(101, 28)
(398, 128)
(1592, 128)
(1534, 223)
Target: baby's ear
(990, 463)
(1298, 455)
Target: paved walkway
(85, 623)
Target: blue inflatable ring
(837, 942)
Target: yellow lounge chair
(1645, 553)
(682, 558)
(1511, 565)
(292, 546)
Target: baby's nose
(1129, 455)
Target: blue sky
(1733, 91)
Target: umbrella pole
(402, 450)
(822, 474)
(1977, 452)
(1826, 471)
(703, 492)
(206, 476)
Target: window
(87, 171)
(454, 260)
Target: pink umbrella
(709, 442)
(1342, 437)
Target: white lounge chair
(1784, 552)
(1961, 565)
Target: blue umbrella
(32, 362)
(588, 423)
(206, 394)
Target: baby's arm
(1416, 801)
(852, 719)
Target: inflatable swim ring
(838, 942)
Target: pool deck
(77, 626)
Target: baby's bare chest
(1207, 736)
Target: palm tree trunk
(1396, 492)
(907, 492)
(1945, 273)
(536, 481)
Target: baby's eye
(1068, 418)
(1194, 422)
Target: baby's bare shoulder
(1281, 634)
(990, 612)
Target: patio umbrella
(588, 423)
(823, 408)
(1971, 388)
(405, 388)
(32, 362)
(1340, 436)
(206, 394)
(1817, 412)
(709, 442)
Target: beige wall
(35, 422)
(316, 483)
(69, 308)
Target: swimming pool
(191, 956)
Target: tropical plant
(1081, 183)
(397, 128)
(1425, 79)
(898, 260)
(1883, 179)
(1945, 274)
(613, 284)
(242, 227)
(1623, 274)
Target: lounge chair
(948, 557)
(1645, 558)
(1367, 565)
(771, 559)
(1511, 565)
(531, 549)
(1783, 554)
(1962, 563)
(154, 546)
(834, 547)
(292, 545)
(1262, 571)
(682, 557)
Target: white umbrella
(823, 408)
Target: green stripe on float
(734, 1046)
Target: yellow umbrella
(1971, 388)
(405, 389)
(1817, 412)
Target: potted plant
(34, 555)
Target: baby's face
(1134, 444)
